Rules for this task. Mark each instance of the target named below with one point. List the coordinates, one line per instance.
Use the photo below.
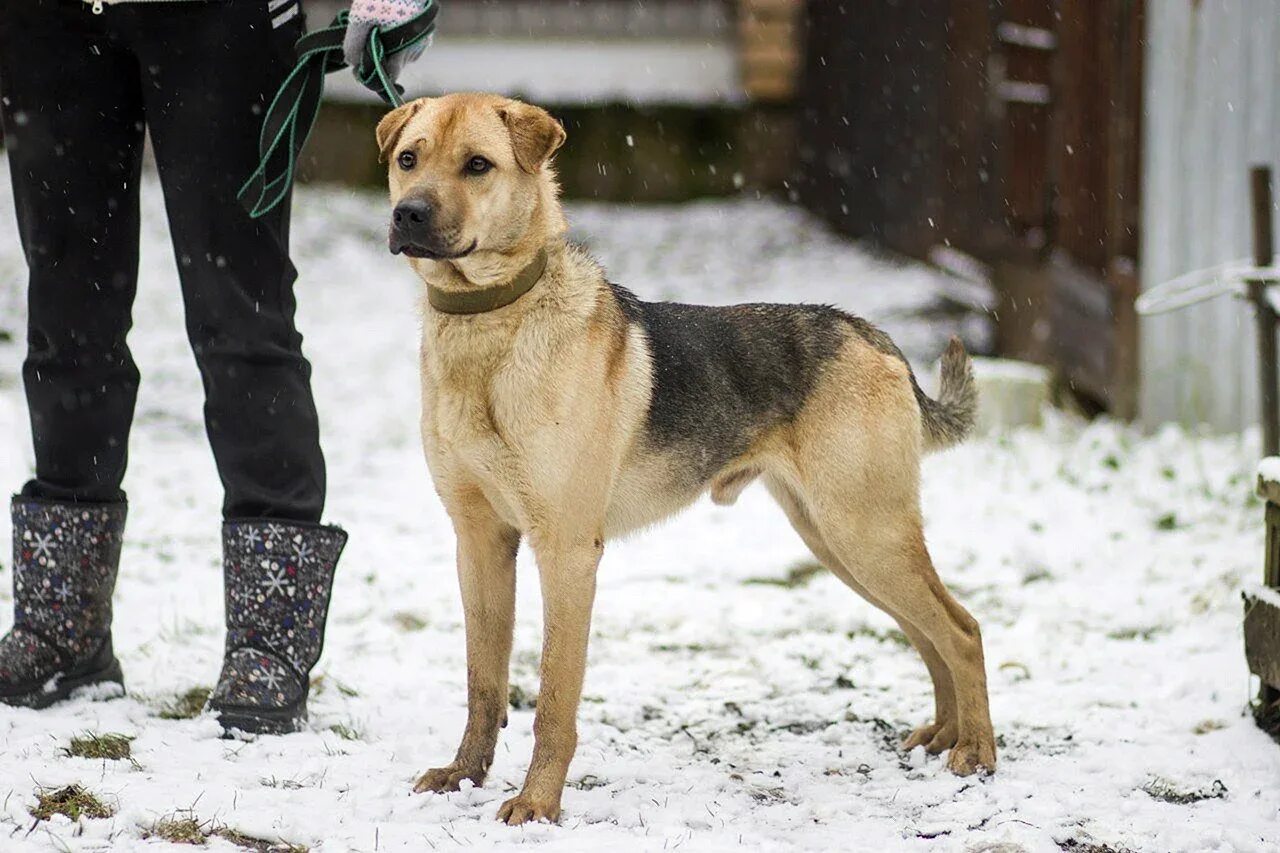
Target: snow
(1010, 393)
(720, 714)
(1262, 592)
(1010, 370)
(1269, 469)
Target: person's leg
(212, 69)
(72, 118)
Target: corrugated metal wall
(1212, 94)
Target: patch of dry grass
(521, 699)
(258, 845)
(408, 622)
(183, 827)
(347, 731)
(187, 706)
(797, 576)
(179, 828)
(1167, 792)
(1073, 845)
(108, 747)
(72, 801)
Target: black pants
(78, 90)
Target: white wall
(1212, 96)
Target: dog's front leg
(487, 575)
(567, 568)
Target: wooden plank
(1081, 139)
(871, 116)
(1026, 153)
(1122, 395)
(970, 212)
(1271, 570)
(1080, 315)
(769, 48)
(771, 60)
(789, 9)
(1268, 490)
(1123, 200)
(779, 34)
(1262, 639)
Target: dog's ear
(391, 125)
(535, 135)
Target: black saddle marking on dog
(723, 375)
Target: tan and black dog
(560, 409)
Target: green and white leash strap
(293, 111)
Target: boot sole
(265, 721)
(100, 684)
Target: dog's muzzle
(414, 232)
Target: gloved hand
(367, 14)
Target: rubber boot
(278, 579)
(65, 560)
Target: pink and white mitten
(385, 14)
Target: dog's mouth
(415, 250)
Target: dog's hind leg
(936, 737)
(885, 553)
(487, 575)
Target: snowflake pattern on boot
(26, 658)
(278, 579)
(65, 559)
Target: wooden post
(1263, 254)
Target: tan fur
(533, 420)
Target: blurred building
(663, 100)
(1071, 153)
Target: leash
(293, 111)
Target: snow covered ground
(726, 708)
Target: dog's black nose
(412, 212)
(413, 227)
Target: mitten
(384, 14)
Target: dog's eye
(478, 166)
(407, 160)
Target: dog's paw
(967, 758)
(935, 738)
(449, 778)
(525, 807)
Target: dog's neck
(485, 299)
(499, 273)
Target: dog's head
(468, 174)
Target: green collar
(489, 298)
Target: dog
(560, 409)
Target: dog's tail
(948, 420)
